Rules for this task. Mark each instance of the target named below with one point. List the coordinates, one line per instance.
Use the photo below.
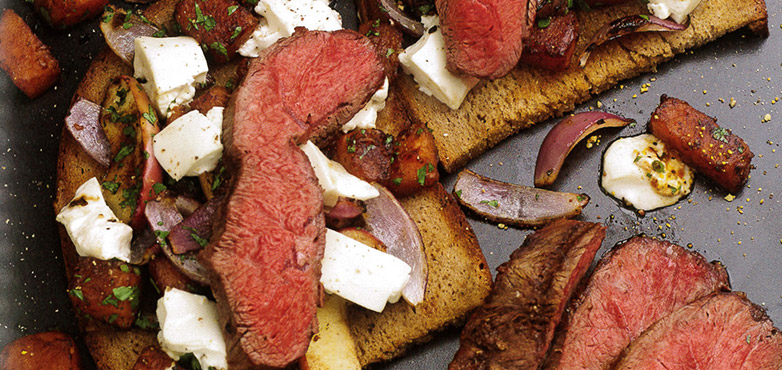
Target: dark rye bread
(494, 110)
(459, 280)
(459, 277)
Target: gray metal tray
(745, 234)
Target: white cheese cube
(281, 17)
(93, 227)
(188, 324)
(367, 116)
(360, 273)
(334, 180)
(425, 60)
(172, 66)
(678, 10)
(190, 145)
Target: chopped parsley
(124, 268)
(491, 203)
(112, 318)
(130, 196)
(110, 300)
(76, 292)
(160, 33)
(545, 22)
(219, 48)
(124, 152)
(397, 180)
(129, 131)
(236, 33)
(143, 322)
(111, 186)
(207, 21)
(389, 51)
(150, 115)
(644, 16)
(124, 293)
(720, 134)
(161, 236)
(232, 9)
(638, 158)
(158, 188)
(366, 150)
(108, 14)
(423, 171)
(458, 193)
(425, 9)
(218, 178)
(126, 24)
(580, 198)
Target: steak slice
(635, 285)
(514, 328)
(269, 240)
(483, 38)
(720, 331)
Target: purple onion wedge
(83, 122)
(626, 26)
(515, 204)
(193, 233)
(389, 222)
(120, 29)
(564, 136)
(409, 25)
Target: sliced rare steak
(634, 285)
(724, 331)
(266, 250)
(514, 328)
(483, 38)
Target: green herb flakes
(720, 134)
(232, 9)
(491, 203)
(76, 292)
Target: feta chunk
(190, 145)
(367, 116)
(172, 66)
(93, 227)
(188, 324)
(678, 10)
(362, 274)
(281, 17)
(425, 60)
(334, 180)
(639, 171)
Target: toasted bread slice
(494, 110)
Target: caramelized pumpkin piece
(108, 291)
(415, 163)
(28, 62)
(51, 350)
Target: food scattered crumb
(766, 118)
(732, 103)
(730, 197)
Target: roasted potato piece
(153, 358)
(106, 290)
(65, 13)
(713, 151)
(415, 163)
(332, 347)
(134, 176)
(221, 26)
(365, 153)
(166, 275)
(364, 237)
(28, 62)
(52, 350)
(215, 96)
(552, 47)
(388, 44)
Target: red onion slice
(389, 222)
(629, 25)
(409, 25)
(194, 232)
(564, 136)
(515, 204)
(83, 122)
(120, 32)
(162, 217)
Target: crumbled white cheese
(678, 10)
(190, 145)
(188, 324)
(281, 17)
(426, 59)
(367, 116)
(93, 227)
(362, 274)
(639, 171)
(171, 66)
(334, 180)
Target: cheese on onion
(639, 171)
(335, 180)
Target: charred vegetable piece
(65, 13)
(166, 275)
(83, 122)
(552, 43)
(626, 26)
(108, 291)
(28, 62)
(52, 350)
(409, 25)
(221, 26)
(713, 151)
(564, 136)
(344, 213)
(153, 358)
(134, 176)
(415, 164)
(193, 233)
(388, 44)
(215, 96)
(120, 27)
(515, 204)
(365, 237)
(551, 8)
(386, 220)
(366, 154)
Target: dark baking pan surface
(744, 234)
